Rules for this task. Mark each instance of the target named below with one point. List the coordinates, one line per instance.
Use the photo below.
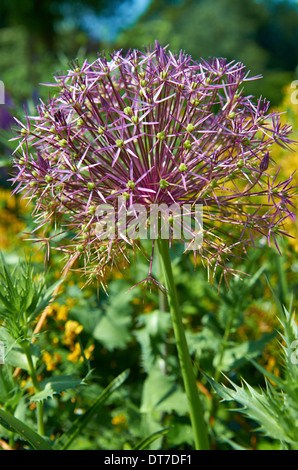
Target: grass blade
(66, 440)
(13, 424)
(148, 440)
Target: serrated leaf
(25, 432)
(23, 296)
(264, 407)
(56, 385)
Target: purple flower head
(154, 128)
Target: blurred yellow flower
(72, 329)
(74, 355)
(62, 313)
(51, 361)
(119, 420)
(288, 160)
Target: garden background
(232, 331)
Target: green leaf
(152, 336)
(23, 296)
(15, 425)
(161, 393)
(79, 424)
(44, 300)
(56, 385)
(113, 329)
(14, 354)
(150, 439)
(237, 355)
(265, 407)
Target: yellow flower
(72, 329)
(89, 351)
(51, 361)
(53, 308)
(119, 420)
(75, 354)
(62, 313)
(288, 160)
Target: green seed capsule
(182, 167)
(161, 135)
(128, 111)
(190, 128)
(163, 184)
(92, 210)
(48, 178)
(63, 142)
(131, 185)
(187, 145)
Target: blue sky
(107, 28)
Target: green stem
(223, 347)
(218, 368)
(32, 372)
(191, 389)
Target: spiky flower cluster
(154, 128)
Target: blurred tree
(37, 38)
(36, 17)
(261, 34)
(40, 18)
(278, 34)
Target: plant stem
(32, 372)
(191, 389)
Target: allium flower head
(154, 128)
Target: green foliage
(23, 297)
(39, 443)
(56, 385)
(113, 325)
(81, 422)
(13, 424)
(132, 328)
(150, 439)
(274, 408)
